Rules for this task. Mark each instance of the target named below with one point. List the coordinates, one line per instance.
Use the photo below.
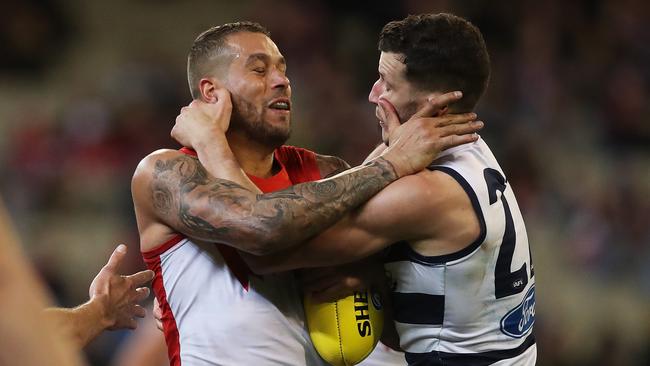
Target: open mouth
(282, 105)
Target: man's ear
(208, 87)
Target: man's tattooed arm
(187, 198)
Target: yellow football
(346, 331)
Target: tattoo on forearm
(214, 209)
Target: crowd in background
(566, 114)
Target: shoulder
(330, 165)
(163, 167)
(160, 159)
(150, 160)
(154, 187)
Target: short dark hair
(443, 52)
(211, 43)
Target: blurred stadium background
(87, 88)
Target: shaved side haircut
(205, 56)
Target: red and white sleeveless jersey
(216, 312)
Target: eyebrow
(262, 57)
(383, 76)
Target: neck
(255, 158)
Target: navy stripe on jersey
(416, 308)
(467, 359)
(402, 251)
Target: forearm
(289, 217)
(301, 256)
(222, 211)
(83, 323)
(307, 209)
(340, 244)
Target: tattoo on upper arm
(173, 180)
(162, 199)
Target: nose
(375, 92)
(279, 80)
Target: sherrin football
(346, 331)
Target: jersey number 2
(506, 283)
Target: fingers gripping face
(200, 121)
(416, 143)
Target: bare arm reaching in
(113, 303)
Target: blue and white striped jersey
(476, 306)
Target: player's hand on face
(119, 295)
(200, 122)
(333, 283)
(414, 144)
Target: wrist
(397, 163)
(204, 143)
(387, 168)
(97, 309)
(215, 144)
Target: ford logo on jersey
(519, 320)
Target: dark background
(87, 88)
